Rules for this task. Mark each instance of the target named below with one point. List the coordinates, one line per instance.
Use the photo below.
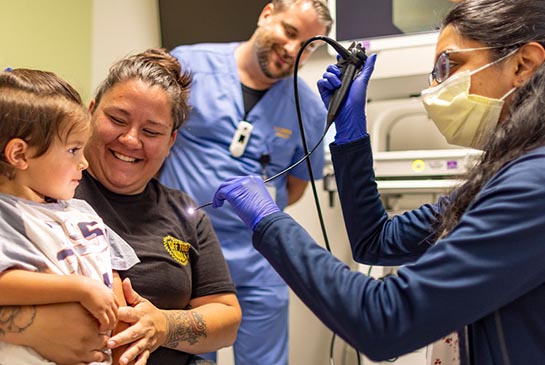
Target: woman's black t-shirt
(180, 257)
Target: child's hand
(101, 302)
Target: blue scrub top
(200, 159)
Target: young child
(45, 235)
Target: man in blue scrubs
(243, 121)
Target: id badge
(240, 138)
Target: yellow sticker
(178, 249)
(419, 165)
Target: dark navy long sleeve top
(487, 274)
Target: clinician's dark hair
(319, 5)
(501, 23)
(154, 66)
(37, 107)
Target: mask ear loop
(508, 93)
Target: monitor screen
(380, 24)
(189, 22)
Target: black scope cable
(335, 45)
(303, 137)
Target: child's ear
(15, 152)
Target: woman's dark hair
(154, 67)
(509, 23)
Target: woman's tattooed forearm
(15, 319)
(186, 326)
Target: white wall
(121, 27)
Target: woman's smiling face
(132, 135)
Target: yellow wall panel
(52, 35)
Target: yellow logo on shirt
(178, 249)
(282, 132)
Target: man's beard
(265, 49)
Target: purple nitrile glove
(248, 196)
(350, 123)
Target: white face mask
(464, 119)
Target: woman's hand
(249, 198)
(351, 123)
(63, 333)
(147, 331)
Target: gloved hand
(350, 123)
(249, 198)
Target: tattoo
(184, 326)
(15, 319)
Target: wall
(121, 27)
(78, 40)
(53, 35)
